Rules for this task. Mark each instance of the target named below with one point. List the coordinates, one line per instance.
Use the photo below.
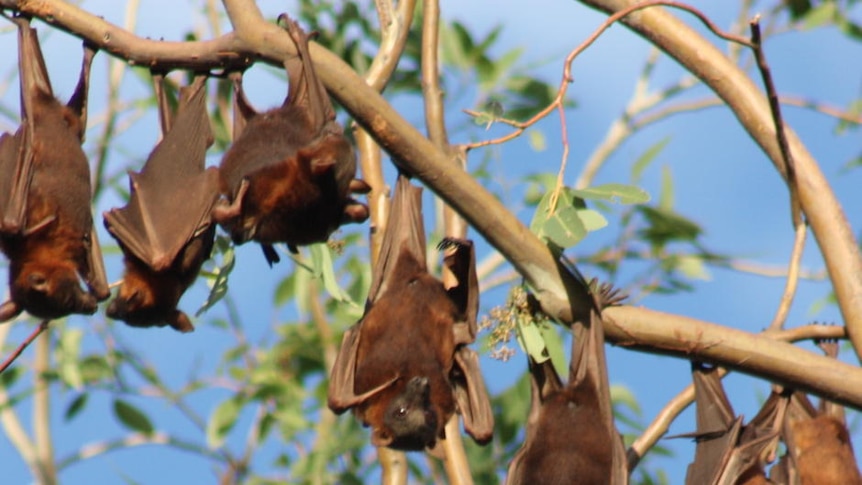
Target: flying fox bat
(728, 452)
(46, 228)
(290, 171)
(570, 433)
(819, 449)
(166, 231)
(405, 368)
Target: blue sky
(721, 179)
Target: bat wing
(16, 155)
(15, 167)
(464, 292)
(757, 443)
(472, 396)
(305, 86)
(242, 109)
(404, 239)
(718, 429)
(340, 393)
(173, 196)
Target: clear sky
(721, 178)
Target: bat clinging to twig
(46, 228)
(290, 171)
(570, 434)
(166, 231)
(404, 367)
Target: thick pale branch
(761, 356)
(731, 84)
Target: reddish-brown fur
(295, 161)
(823, 452)
(408, 332)
(149, 298)
(51, 249)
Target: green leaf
(666, 226)
(76, 406)
(621, 193)
(131, 417)
(665, 200)
(222, 421)
(592, 220)
(537, 140)
(218, 277)
(648, 156)
(530, 338)
(563, 228)
(69, 350)
(321, 259)
(693, 267)
(820, 15)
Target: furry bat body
(404, 367)
(570, 433)
(290, 171)
(46, 228)
(165, 231)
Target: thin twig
(17, 352)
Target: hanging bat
(290, 171)
(165, 231)
(728, 452)
(405, 368)
(819, 449)
(46, 228)
(570, 433)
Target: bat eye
(401, 412)
(38, 282)
(135, 298)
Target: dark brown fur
(405, 368)
(570, 435)
(165, 231)
(46, 229)
(290, 171)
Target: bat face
(165, 231)
(289, 174)
(570, 435)
(50, 290)
(404, 368)
(46, 228)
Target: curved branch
(818, 201)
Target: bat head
(410, 422)
(50, 290)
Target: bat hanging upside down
(166, 230)
(405, 368)
(46, 227)
(290, 171)
(570, 434)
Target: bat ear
(355, 211)
(180, 322)
(38, 282)
(380, 438)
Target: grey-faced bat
(570, 432)
(290, 171)
(46, 228)
(405, 368)
(728, 452)
(819, 449)
(166, 231)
